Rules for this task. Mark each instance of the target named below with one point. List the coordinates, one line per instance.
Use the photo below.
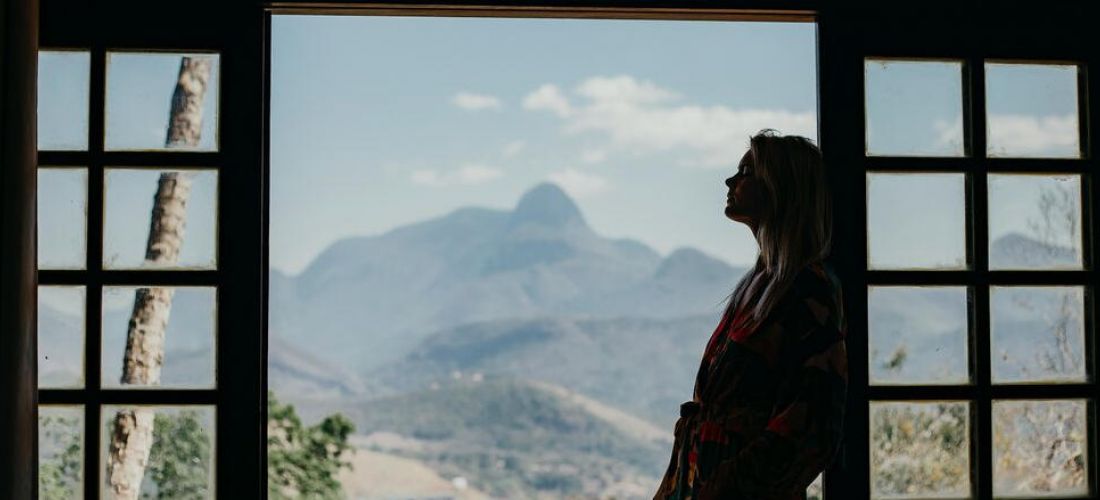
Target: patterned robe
(769, 400)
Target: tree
(302, 462)
(132, 433)
(179, 462)
(60, 457)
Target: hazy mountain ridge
(377, 297)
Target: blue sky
(640, 121)
(383, 121)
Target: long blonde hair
(795, 228)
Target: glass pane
(162, 101)
(181, 203)
(914, 108)
(1034, 221)
(61, 337)
(918, 335)
(1040, 448)
(63, 100)
(814, 491)
(916, 221)
(1032, 110)
(1038, 334)
(157, 452)
(62, 217)
(180, 354)
(60, 452)
(920, 450)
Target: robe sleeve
(804, 430)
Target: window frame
(1052, 34)
(237, 34)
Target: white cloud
(593, 156)
(550, 98)
(577, 183)
(476, 174)
(512, 148)
(1029, 135)
(641, 117)
(469, 174)
(949, 134)
(475, 102)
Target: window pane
(920, 450)
(60, 452)
(1038, 334)
(1034, 221)
(914, 108)
(1040, 448)
(916, 221)
(1032, 110)
(183, 203)
(63, 100)
(60, 337)
(918, 335)
(62, 217)
(185, 347)
(175, 444)
(142, 95)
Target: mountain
(368, 301)
(642, 365)
(517, 439)
(1015, 250)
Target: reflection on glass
(159, 101)
(63, 100)
(182, 353)
(916, 221)
(917, 335)
(1032, 110)
(1038, 334)
(920, 450)
(1040, 448)
(183, 203)
(1034, 221)
(62, 217)
(60, 337)
(914, 108)
(60, 452)
(175, 444)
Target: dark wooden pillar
(18, 150)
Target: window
(957, 341)
(501, 262)
(110, 318)
(960, 144)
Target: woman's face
(746, 196)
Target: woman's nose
(729, 182)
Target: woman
(769, 396)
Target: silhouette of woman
(768, 408)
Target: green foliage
(302, 462)
(59, 471)
(179, 461)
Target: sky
(377, 122)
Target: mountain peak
(547, 205)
